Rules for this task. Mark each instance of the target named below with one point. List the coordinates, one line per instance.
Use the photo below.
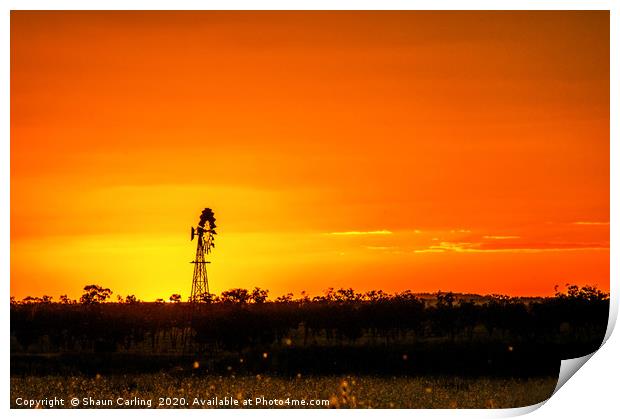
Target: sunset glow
(463, 151)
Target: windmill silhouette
(205, 232)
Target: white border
(593, 392)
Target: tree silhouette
(346, 295)
(131, 299)
(94, 294)
(209, 298)
(376, 295)
(286, 298)
(31, 300)
(585, 293)
(66, 300)
(258, 295)
(236, 295)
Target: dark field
(338, 391)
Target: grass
(340, 391)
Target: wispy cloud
(467, 247)
(591, 223)
(501, 237)
(361, 233)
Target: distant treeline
(239, 319)
(94, 294)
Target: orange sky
(464, 151)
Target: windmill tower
(205, 232)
